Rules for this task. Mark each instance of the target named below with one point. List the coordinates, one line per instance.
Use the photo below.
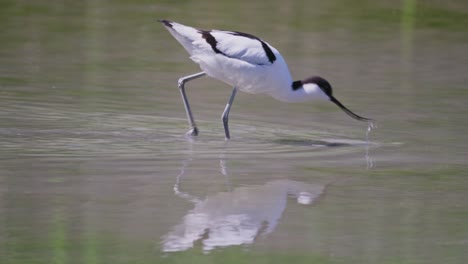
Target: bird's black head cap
(322, 83)
(327, 89)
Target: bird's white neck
(302, 93)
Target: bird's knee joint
(225, 118)
(181, 83)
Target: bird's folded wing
(239, 46)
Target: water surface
(95, 167)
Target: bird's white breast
(272, 78)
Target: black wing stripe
(271, 56)
(269, 52)
(167, 23)
(211, 40)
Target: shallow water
(95, 167)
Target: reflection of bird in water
(237, 217)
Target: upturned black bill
(347, 111)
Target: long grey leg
(193, 127)
(225, 116)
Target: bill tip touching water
(249, 64)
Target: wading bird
(246, 63)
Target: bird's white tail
(184, 34)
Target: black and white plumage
(246, 63)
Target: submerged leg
(193, 127)
(225, 116)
